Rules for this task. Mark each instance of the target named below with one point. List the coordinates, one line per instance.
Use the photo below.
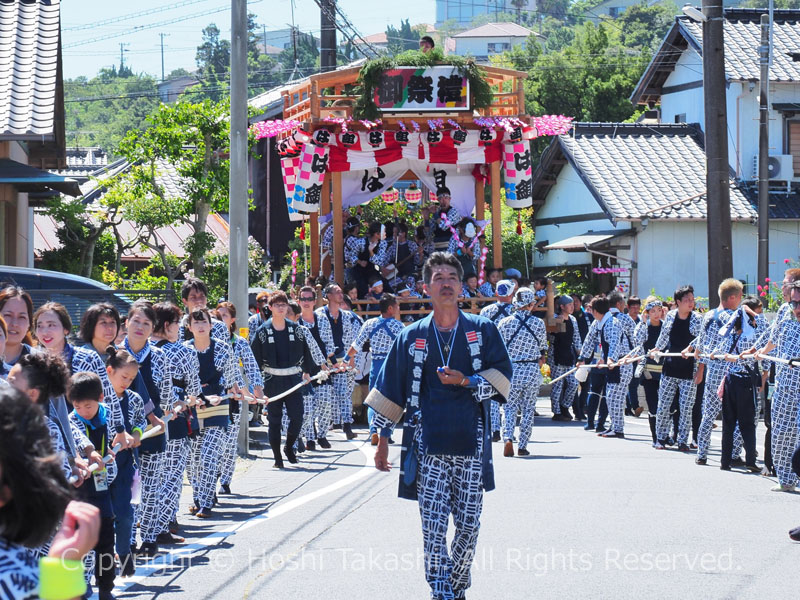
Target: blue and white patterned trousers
(450, 485)
(712, 404)
(151, 471)
(616, 393)
(176, 457)
(784, 429)
(343, 385)
(563, 392)
(207, 453)
(666, 394)
(525, 382)
(228, 460)
(494, 413)
(323, 409)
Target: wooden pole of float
(480, 205)
(338, 226)
(324, 209)
(497, 220)
(314, 228)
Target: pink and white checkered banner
(289, 168)
(311, 173)
(518, 174)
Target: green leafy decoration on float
(370, 75)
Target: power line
(139, 28)
(132, 15)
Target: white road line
(212, 539)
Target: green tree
(193, 137)
(556, 9)
(213, 60)
(518, 6)
(590, 79)
(400, 40)
(643, 27)
(99, 111)
(307, 57)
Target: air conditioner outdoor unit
(780, 167)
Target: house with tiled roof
(631, 197)
(31, 120)
(490, 39)
(92, 190)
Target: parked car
(74, 292)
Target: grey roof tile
(29, 42)
(743, 37)
(636, 170)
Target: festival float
(349, 135)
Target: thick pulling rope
(95, 467)
(627, 359)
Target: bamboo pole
(338, 226)
(497, 219)
(324, 209)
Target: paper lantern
(375, 138)
(432, 198)
(322, 137)
(413, 195)
(390, 196)
(529, 132)
(487, 136)
(401, 137)
(301, 137)
(434, 137)
(348, 138)
(459, 136)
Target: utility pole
(327, 57)
(763, 153)
(718, 217)
(122, 49)
(237, 192)
(162, 36)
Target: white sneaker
(658, 445)
(783, 488)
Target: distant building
(170, 89)
(283, 39)
(464, 12)
(492, 38)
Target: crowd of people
(388, 257)
(109, 425)
(133, 403)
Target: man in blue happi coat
(439, 378)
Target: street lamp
(693, 13)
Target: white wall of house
(668, 253)
(479, 46)
(687, 105)
(673, 253)
(742, 103)
(569, 197)
(748, 122)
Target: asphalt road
(583, 517)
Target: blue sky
(143, 54)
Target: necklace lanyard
(447, 345)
